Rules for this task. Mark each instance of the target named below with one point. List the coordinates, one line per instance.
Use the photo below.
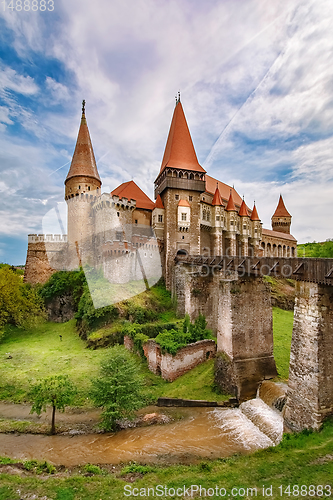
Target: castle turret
(281, 220)
(244, 228)
(217, 218)
(256, 230)
(232, 220)
(180, 182)
(82, 185)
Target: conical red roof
(83, 161)
(179, 150)
(281, 210)
(159, 202)
(231, 206)
(254, 215)
(217, 200)
(243, 210)
(131, 191)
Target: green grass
(282, 328)
(40, 353)
(303, 459)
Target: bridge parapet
(311, 270)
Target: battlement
(113, 201)
(49, 238)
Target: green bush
(173, 340)
(92, 469)
(39, 467)
(136, 468)
(63, 283)
(89, 318)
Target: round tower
(281, 220)
(82, 186)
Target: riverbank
(304, 459)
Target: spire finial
(178, 95)
(83, 106)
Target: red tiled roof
(217, 200)
(223, 188)
(243, 212)
(159, 202)
(83, 161)
(231, 206)
(183, 203)
(131, 191)
(179, 150)
(277, 234)
(254, 215)
(281, 210)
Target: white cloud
(11, 80)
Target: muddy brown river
(196, 433)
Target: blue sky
(256, 82)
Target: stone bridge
(234, 297)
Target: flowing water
(194, 433)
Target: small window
(176, 196)
(119, 236)
(244, 226)
(217, 217)
(79, 187)
(208, 215)
(117, 214)
(231, 223)
(184, 216)
(160, 218)
(203, 198)
(190, 198)
(88, 188)
(183, 237)
(136, 221)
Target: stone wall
(310, 393)
(42, 257)
(171, 367)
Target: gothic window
(160, 218)
(183, 216)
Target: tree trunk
(53, 420)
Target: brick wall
(171, 367)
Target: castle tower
(244, 229)
(217, 217)
(256, 230)
(180, 183)
(82, 185)
(281, 220)
(231, 220)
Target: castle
(131, 238)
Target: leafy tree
(57, 391)
(19, 302)
(118, 389)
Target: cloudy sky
(256, 82)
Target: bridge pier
(238, 309)
(310, 393)
(244, 336)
